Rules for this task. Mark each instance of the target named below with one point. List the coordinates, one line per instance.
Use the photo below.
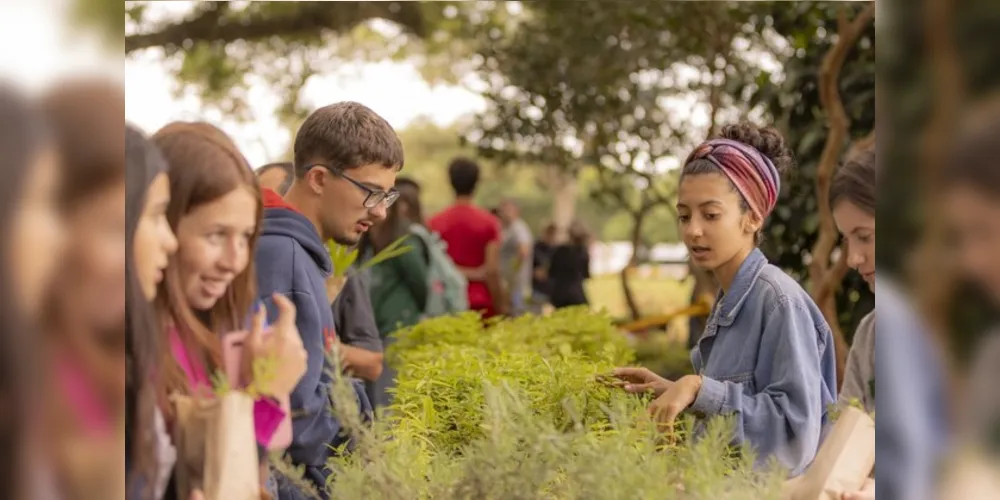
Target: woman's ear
(751, 223)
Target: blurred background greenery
(589, 107)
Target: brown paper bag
(843, 463)
(217, 448)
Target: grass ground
(654, 295)
(666, 352)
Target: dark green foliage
(809, 29)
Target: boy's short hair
(464, 175)
(346, 135)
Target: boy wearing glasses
(346, 161)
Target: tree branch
(212, 26)
(825, 279)
(839, 126)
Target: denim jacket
(767, 358)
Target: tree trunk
(825, 276)
(563, 185)
(630, 302)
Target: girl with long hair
(399, 285)
(86, 311)
(852, 199)
(149, 242)
(33, 242)
(207, 304)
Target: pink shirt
(82, 396)
(269, 415)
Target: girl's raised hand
(282, 346)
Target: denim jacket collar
(731, 303)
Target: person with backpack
(399, 287)
(473, 238)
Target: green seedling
(344, 257)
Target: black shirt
(569, 268)
(541, 257)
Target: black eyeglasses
(375, 196)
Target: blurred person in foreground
(515, 256)
(33, 240)
(971, 202)
(86, 309)
(399, 287)
(767, 355)
(914, 429)
(346, 161)
(473, 236)
(852, 200)
(569, 269)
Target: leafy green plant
(344, 257)
(280, 465)
(263, 371)
(521, 409)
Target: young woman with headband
(767, 355)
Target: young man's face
(343, 213)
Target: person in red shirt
(473, 238)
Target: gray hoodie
(859, 379)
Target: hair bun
(767, 140)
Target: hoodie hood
(283, 219)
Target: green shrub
(664, 356)
(567, 331)
(516, 410)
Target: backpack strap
(421, 233)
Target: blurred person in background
(515, 256)
(569, 269)
(767, 354)
(852, 200)
(86, 310)
(541, 259)
(346, 161)
(33, 241)
(361, 344)
(276, 176)
(208, 301)
(149, 242)
(473, 236)
(399, 285)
